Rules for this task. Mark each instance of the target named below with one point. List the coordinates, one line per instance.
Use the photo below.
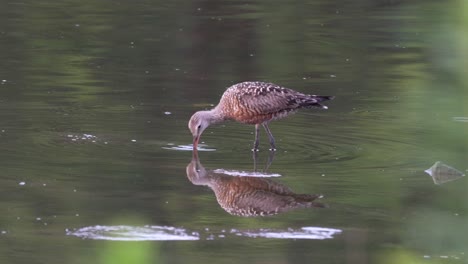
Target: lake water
(95, 160)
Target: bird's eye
(199, 126)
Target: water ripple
(131, 233)
(201, 147)
(247, 173)
(166, 233)
(460, 119)
(302, 233)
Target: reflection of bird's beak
(195, 142)
(195, 159)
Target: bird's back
(258, 102)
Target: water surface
(95, 99)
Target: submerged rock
(442, 173)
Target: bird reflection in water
(271, 156)
(249, 196)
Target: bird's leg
(257, 131)
(270, 136)
(255, 159)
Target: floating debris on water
(22, 183)
(167, 113)
(442, 173)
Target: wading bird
(255, 103)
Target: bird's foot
(272, 149)
(255, 150)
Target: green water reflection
(94, 96)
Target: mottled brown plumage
(255, 103)
(249, 196)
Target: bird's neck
(214, 115)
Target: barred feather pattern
(250, 196)
(258, 102)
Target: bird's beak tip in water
(195, 142)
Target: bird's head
(196, 173)
(197, 124)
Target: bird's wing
(265, 98)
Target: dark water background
(94, 102)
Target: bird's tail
(311, 101)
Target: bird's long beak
(195, 142)
(195, 156)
